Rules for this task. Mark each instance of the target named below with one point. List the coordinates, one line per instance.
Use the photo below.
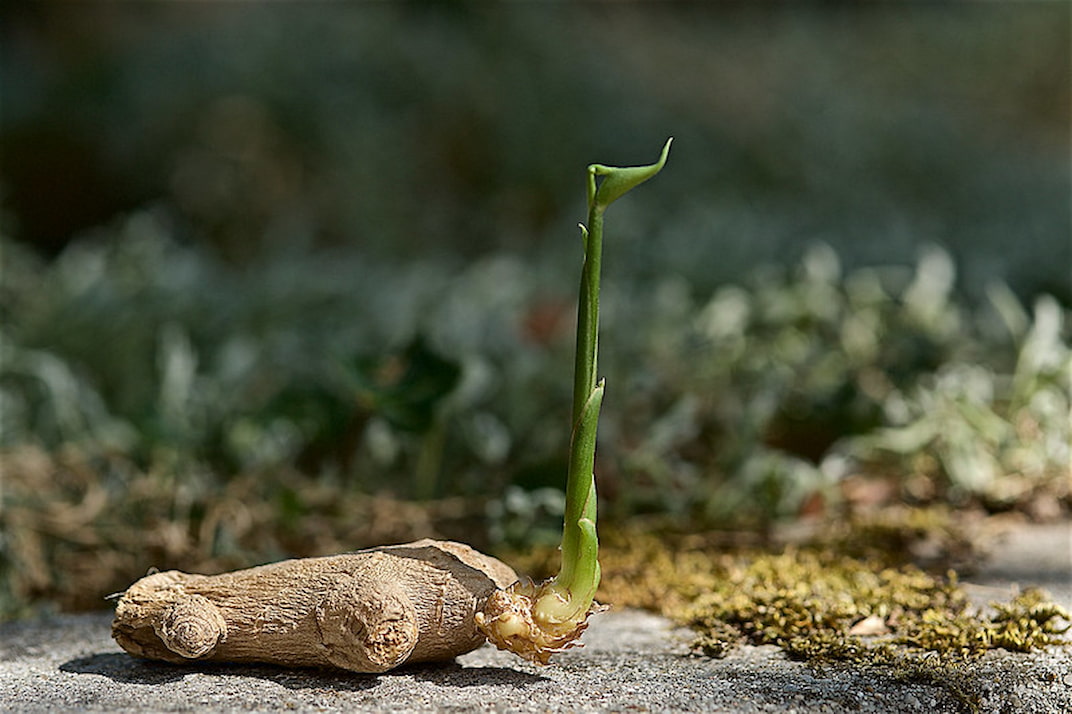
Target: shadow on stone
(125, 669)
(132, 670)
(452, 674)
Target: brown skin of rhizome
(367, 611)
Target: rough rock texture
(631, 661)
(367, 611)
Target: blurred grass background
(286, 279)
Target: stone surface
(632, 661)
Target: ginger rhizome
(368, 611)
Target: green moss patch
(836, 601)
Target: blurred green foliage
(432, 380)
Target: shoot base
(511, 621)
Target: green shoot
(536, 621)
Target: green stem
(579, 575)
(537, 621)
(584, 375)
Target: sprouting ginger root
(367, 611)
(512, 620)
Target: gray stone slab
(1036, 555)
(632, 661)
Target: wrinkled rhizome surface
(367, 611)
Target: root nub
(192, 627)
(367, 626)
